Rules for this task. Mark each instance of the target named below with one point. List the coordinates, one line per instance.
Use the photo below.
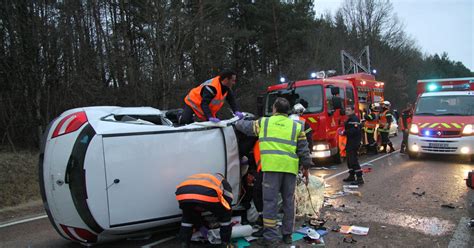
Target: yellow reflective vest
(277, 138)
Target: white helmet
(386, 103)
(298, 108)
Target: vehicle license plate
(438, 145)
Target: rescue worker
(369, 128)
(298, 110)
(208, 98)
(385, 121)
(200, 193)
(282, 145)
(405, 121)
(352, 129)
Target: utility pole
(355, 65)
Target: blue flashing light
(374, 71)
(427, 133)
(282, 79)
(313, 75)
(432, 87)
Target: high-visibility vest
(342, 141)
(383, 121)
(278, 137)
(302, 121)
(205, 188)
(370, 124)
(256, 156)
(194, 98)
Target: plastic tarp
(310, 199)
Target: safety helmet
(386, 103)
(298, 108)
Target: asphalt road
(388, 206)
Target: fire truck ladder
(352, 65)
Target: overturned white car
(108, 173)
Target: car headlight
(321, 147)
(468, 130)
(414, 129)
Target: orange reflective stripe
(197, 197)
(204, 183)
(204, 175)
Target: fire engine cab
(443, 120)
(325, 99)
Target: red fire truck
(443, 121)
(326, 99)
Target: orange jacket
(204, 188)
(194, 98)
(256, 156)
(383, 119)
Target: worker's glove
(214, 119)
(306, 176)
(239, 114)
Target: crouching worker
(200, 193)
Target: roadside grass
(18, 178)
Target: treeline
(57, 55)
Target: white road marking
(362, 165)
(158, 242)
(23, 221)
(462, 234)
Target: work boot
(391, 148)
(359, 181)
(287, 239)
(384, 149)
(258, 233)
(350, 178)
(259, 220)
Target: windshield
(446, 105)
(310, 96)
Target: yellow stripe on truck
(446, 125)
(456, 125)
(434, 125)
(424, 125)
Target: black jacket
(352, 131)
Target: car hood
(443, 122)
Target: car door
(143, 170)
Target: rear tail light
(70, 124)
(79, 234)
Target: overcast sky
(437, 25)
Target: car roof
(448, 93)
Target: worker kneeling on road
(200, 193)
(282, 144)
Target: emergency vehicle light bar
(436, 87)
